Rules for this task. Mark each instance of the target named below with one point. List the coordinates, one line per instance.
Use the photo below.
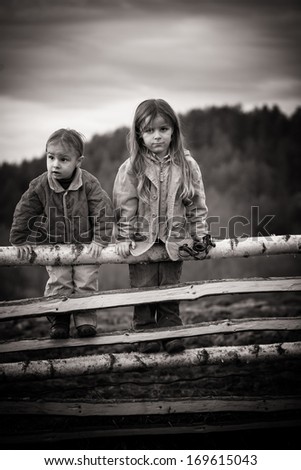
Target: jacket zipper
(66, 217)
(161, 172)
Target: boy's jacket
(186, 219)
(48, 213)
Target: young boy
(65, 205)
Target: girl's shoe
(150, 347)
(58, 331)
(174, 346)
(85, 331)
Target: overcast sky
(87, 64)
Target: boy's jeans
(156, 274)
(67, 280)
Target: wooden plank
(124, 362)
(187, 331)
(78, 254)
(79, 432)
(134, 408)
(124, 297)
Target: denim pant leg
(85, 281)
(144, 275)
(59, 283)
(168, 313)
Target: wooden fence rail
(127, 337)
(78, 254)
(125, 362)
(42, 306)
(139, 407)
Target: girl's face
(157, 135)
(62, 160)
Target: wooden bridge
(235, 374)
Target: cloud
(89, 60)
(85, 61)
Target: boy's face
(157, 135)
(62, 160)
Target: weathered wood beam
(124, 362)
(187, 331)
(124, 297)
(78, 254)
(168, 406)
(92, 432)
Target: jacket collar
(75, 184)
(157, 160)
(152, 165)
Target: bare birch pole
(59, 255)
(125, 362)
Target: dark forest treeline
(248, 159)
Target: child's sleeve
(101, 212)
(197, 211)
(25, 215)
(125, 201)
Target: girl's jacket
(48, 213)
(186, 219)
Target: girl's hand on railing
(123, 248)
(24, 251)
(95, 249)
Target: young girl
(158, 198)
(65, 205)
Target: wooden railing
(60, 255)
(29, 365)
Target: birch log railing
(87, 361)
(59, 255)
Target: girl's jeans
(156, 274)
(67, 280)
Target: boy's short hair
(70, 137)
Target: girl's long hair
(145, 113)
